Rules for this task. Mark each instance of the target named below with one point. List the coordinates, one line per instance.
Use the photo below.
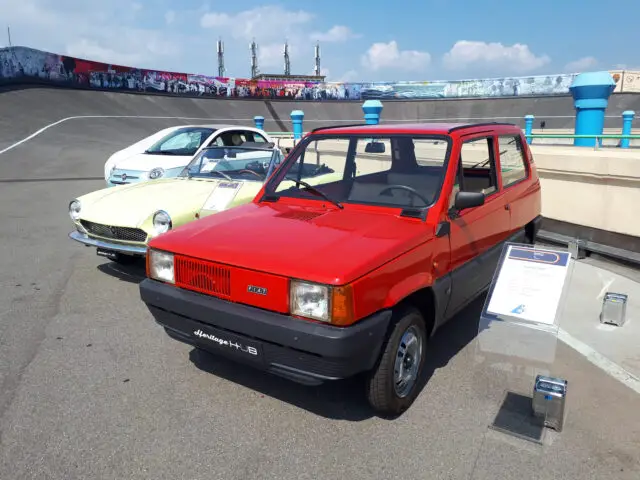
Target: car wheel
(393, 385)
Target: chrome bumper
(116, 247)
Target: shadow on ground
(344, 400)
(133, 273)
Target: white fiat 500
(165, 153)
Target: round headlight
(161, 221)
(74, 209)
(156, 173)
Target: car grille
(202, 276)
(116, 233)
(123, 178)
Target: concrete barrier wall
(594, 188)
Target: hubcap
(408, 359)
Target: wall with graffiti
(21, 63)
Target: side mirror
(374, 147)
(468, 200)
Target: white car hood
(146, 162)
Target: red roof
(416, 128)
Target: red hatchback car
(394, 230)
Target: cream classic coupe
(120, 221)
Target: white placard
(208, 167)
(530, 284)
(223, 194)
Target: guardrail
(605, 136)
(598, 138)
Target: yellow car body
(119, 221)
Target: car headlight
(74, 210)
(310, 300)
(161, 222)
(161, 266)
(156, 173)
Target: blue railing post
(627, 122)
(591, 91)
(528, 127)
(259, 121)
(296, 120)
(372, 110)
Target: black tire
(381, 389)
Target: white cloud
(271, 56)
(581, 65)
(270, 26)
(337, 33)
(91, 50)
(212, 19)
(265, 24)
(170, 17)
(517, 58)
(348, 76)
(388, 55)
(106, 31)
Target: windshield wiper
(223, 174)
(317, 192)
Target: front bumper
(305, 352)
(115, 247)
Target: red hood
(328, 246)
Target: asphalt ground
(91, 388)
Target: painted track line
(600, 361)
(151, 117)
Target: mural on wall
(631, 82)
(22, 62)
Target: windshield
(183, 141)
(394, 171)
(234, 163)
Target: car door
(476, 233)
(520, 194)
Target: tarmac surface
(91, 388)
(26, 110)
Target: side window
(258, 138)
(512, 164)
(217, 142)
(478, 167)
(231, 139)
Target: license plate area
(227, 344)
(110, 254)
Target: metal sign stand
(518, 335)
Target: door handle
(507, 207)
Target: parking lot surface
(91, 388)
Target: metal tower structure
(220, 48)
(316, 70)
(254, 59)
(287, 61)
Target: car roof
(217, 126)
(415, 128)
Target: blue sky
(360, 40)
